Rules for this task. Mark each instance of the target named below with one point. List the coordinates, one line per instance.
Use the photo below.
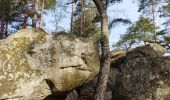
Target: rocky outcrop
(139, 74)
(34, 65)
(142, 74)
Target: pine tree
(35, 7)
(140, 31)
(72, 16)
(42, 13)
(149, 7)
(105, 57)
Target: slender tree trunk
(1, 13)
(6, 29)
(1, 32)
(2, 25)
(84, 22)
(35, 6)
(144, 42)
(153, 18)
(82, 18)
(2, 20)
(144, 37)
(7, 10)
(72, 17)
(105, 57)
(42, 13)
(24, 24)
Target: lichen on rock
(31, 60)
(142, 74)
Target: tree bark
(72, 17)
(24, 24)
(7, 11)
(105, 57)
(42, 13)
(6, 29)
(82, 18)
(35, 6)
(153, 18)
(2, 25)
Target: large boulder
(142, 74)
(139, 74)
(34, 65)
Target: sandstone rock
(114, 55)
(148, 50)
(142, 74)
(129, 72)
(34, 65)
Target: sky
(127, 9)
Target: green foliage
(166, 8)
(49, 4)
(167, 39)
(165, 12)
(16, 11)
(114, 1)
(144, 25)
(126, 41)
(116, 21)
(161, 32)
(144, 28)
(4, 6)
(110, 2)
(166, 42)
(90, 29)
(145, 5)
(141, 31)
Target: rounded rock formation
(34, 65)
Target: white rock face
(33, 64)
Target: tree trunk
(153, 18)
(24, 24)
(82, 18)
(2, 19)
(72, 17)
(6, 12)
(42, 13)
(35, 6)
(6, 29)
(2, 25)
(144, 42)
(105, 57)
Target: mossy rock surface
(34, 64)
(142, 74)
